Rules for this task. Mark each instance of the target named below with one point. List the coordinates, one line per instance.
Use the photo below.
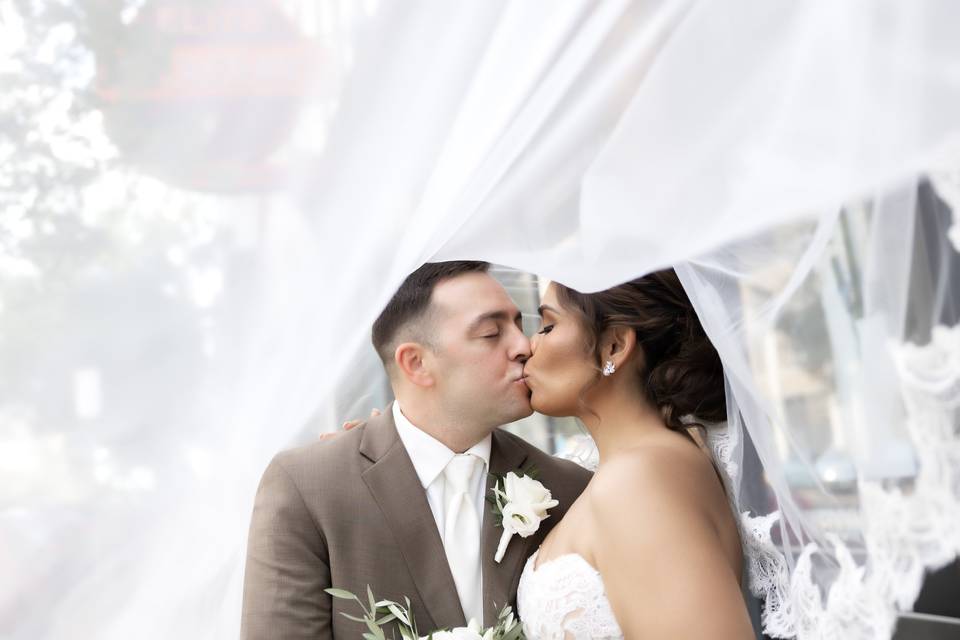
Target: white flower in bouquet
(473, 631)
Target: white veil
(203, 205)
(841, 365)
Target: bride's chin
(546, 409)
(533, 404)
(540, 407)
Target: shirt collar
(430, 456)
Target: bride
(651, 548)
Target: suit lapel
(397, 490)
(499, 578)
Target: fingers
(349, 424)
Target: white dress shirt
(430, 458)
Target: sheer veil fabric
(796, 162)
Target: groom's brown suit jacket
(350, 512)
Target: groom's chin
(523, 410)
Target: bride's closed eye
(546, 329)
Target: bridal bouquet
(384, 612)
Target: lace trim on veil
(904, 533)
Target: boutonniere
(520, 504)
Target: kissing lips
(525, 379)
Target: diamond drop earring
(609, 368)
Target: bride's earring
(609, 368)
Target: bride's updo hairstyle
(680, 370)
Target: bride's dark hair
(681, 373)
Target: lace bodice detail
(564, 599)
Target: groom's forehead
(474, 297)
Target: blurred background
(204, 203)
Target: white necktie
(461, 532)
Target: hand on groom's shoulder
(348, 425)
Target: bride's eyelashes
(546, 329)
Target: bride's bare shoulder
(662, 473)
(658, 530)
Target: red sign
(202, 93)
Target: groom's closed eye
(487, 330)
(488, 326)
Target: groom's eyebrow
(499, 316)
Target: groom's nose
(519, 347)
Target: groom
(398, 503)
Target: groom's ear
(409, 360)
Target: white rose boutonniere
(520, 503)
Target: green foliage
(377, 614)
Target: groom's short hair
(407, 312)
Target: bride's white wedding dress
(564, 599)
